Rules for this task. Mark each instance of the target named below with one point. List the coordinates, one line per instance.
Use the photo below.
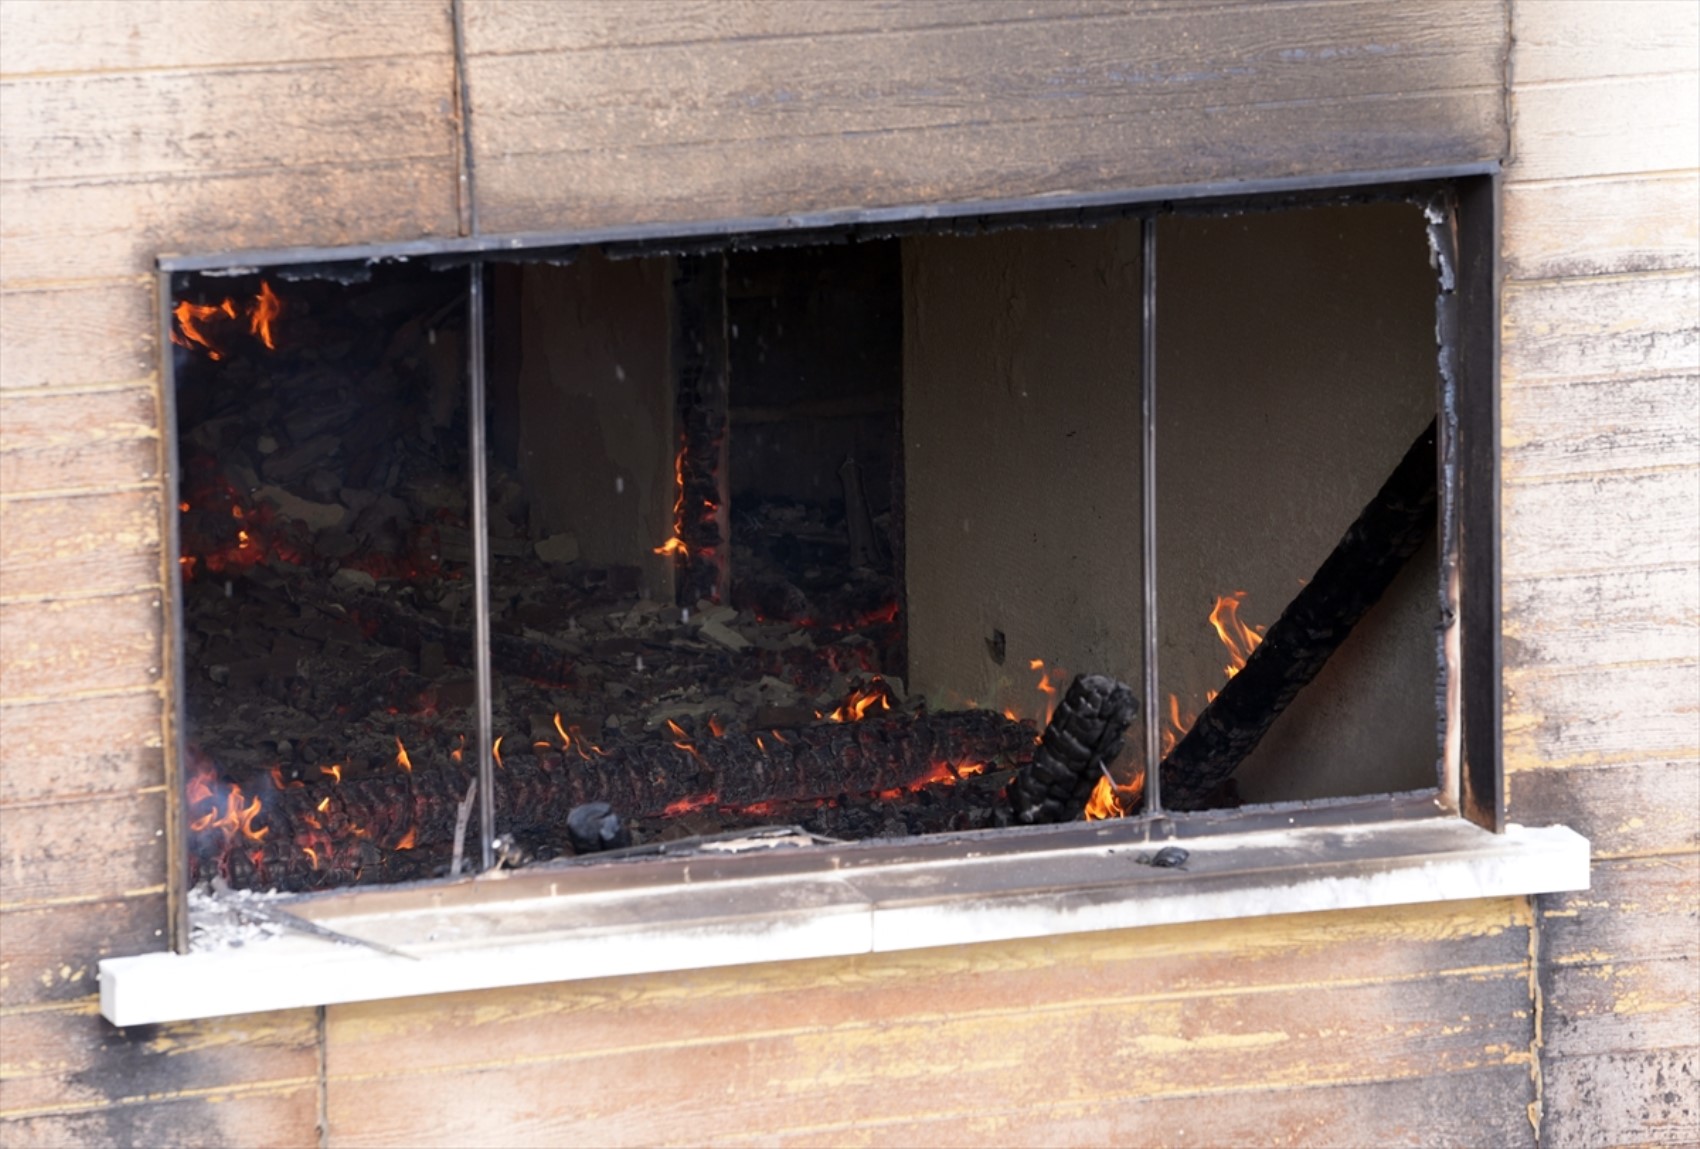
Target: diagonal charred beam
(1351, 580)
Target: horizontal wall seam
(81, 899)
(232, 67)
(149, 483)
(10, 700)
(1308, 6)
(144, 383)
(1512, 482)
(205, 1093)
(1660, 175)
(87, 797)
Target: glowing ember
(676, 546)
(686, 805)
(334, 773)
(408, 840)
(401, 758)
(496, 751)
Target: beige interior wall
(1296, 363)
(596, 438)
(1021, 444)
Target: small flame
(496, 751)
(861, 700)
(686, 805)
(1111, 801)
(266, 308)
(1239, 638)
(715, 726)
(401, 758)
(324, 805)
(409, 839)
(333, 772)
(312, 855)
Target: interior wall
(596, 438)
(1021, 368)
(1296, 364)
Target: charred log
(402, 826)
(1348, 583)
(1083, 736)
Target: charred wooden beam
(1349, 582)
(1083, 736)
(701, 369)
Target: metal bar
(517, 243)
(480, 562)
(1148, 512)
(177, 710)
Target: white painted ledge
(566, 923)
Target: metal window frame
(1463, 234)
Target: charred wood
(1348, 583)
(1083, 736)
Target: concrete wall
(1021, 460)
(1296, 362)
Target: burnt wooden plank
(1642, 614)
(748, 1078)
(94, 644)
(78, 333)
(1602, 227)
(1636, 326)
(1596, 716)
(98, 226)
(1306, 953)
(52, 953)
(1637, 909)
(1599, 425)
(46, 752)
(1481, 1107)
(1561, 40)
(89, 848)
(495, 27)
(200, 122)
(1612, 521)
(284, 1116)
(1607, 127)
(115, 35)
(755, 90)
(1621, 1006)
(58, 440)
(68, 1057)
(743, 125)
(1622, 1099)
(97, 544)
(1623, 809)
(975, 161)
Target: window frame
(1464, 241)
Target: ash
(216, 921)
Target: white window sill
(566, 923)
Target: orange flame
(266, 308)
(686, 805)
(1111, 801)
(409, 839)
(401, 758)
(715, 726)
(861, 700)
(1239, 638)
(676, 545)
(334, 772)
(496, 751)
(312, 855)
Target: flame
(676, 545)
(193, 320)
(312, 855)
(1111, 801)
(408, 840)
(334, 773)
(401, 758)
(861, 700)
(324, 805)
(715, 726)
(1239, 638)
(266, 308)
(496, 751)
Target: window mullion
(1148, 513)
(479, 467)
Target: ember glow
(676, 546)
(401, 758)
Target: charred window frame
(1463, 205)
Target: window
(631, 561)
